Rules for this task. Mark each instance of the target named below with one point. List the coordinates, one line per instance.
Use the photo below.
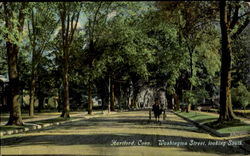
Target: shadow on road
(135, 122)
(52, 155)
(109, 140)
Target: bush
(190, 97)
(240, 96)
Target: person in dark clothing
(156, 109)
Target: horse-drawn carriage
(157, 112)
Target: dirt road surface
(123, 134)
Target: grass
(236, 111)
(5, 116)
(238, 128)
(13, 127)
(210, 120)
(240, 113)
(198, 117)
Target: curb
(212, 131)
(40, 126)
(36, 127)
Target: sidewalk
(36, 117)
(38, 121)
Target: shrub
(240, 96)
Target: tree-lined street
(62, 64)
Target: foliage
(3, 61)
(15, 36)
(170, 45)
(198, 38)
(241, 96)
(190, 97)
(195, 97)
(240, 59)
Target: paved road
(126, 133)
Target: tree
(169, 58)
(39, 34)
(69, 16)
(128, 51)
(96, 27)
(232, 24)
(14, 22)
(105, 38)
(192, 20)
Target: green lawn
(239, 113)
(210, 119)
(235, 129)
(198, 117)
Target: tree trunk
(40, 103)
(33, 85)
(15, 117)
(112, 97)
(66, 108)
(34, 64)
(170, 101)
(120, 97)
(109, 98)
(90, 102)
(40, 97)
(32, 96)
(226, 111)
(191, 66)
(176, 102)
(191, 51)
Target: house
(4, 81)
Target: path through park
(123, 133)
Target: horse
(157, 112)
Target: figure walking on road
(156, 109)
